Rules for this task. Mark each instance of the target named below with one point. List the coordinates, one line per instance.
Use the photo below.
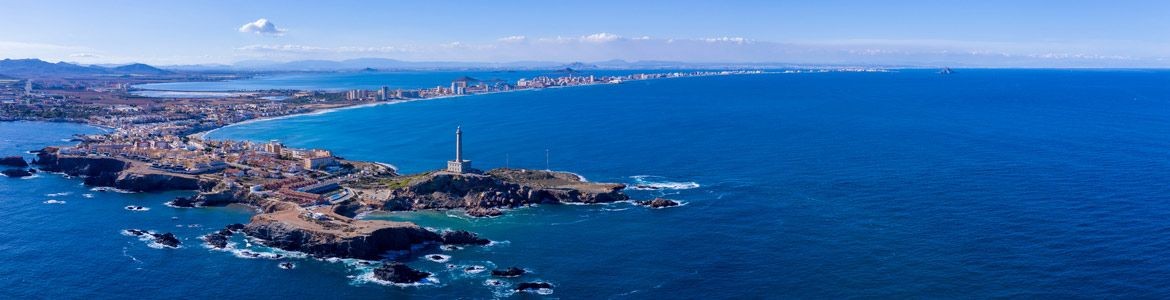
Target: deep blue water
(980, 184)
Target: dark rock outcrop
(166, 239)
(112, 172)
(509, 272)
(524, 286)
(13, 161)
(216, 240)
(399, 273)
(362, 239)
(460, 237)
(479, 193)
(658, 203)
(151, 182)
(16, 173)
(180, 201)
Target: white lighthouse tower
(459, 165)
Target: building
(401, 94)
(274, 147)
(459, 165)
(384, 93)
(318, 162)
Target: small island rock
(533, 286)
(658, 203)
(399, 273)
(509, 272)
(462, 237)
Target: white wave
(54, 201)
(87, 195)
(59, 194)
(474, 269)
(368, 277)
(654, 183)
(136, 208)
(439, 258)
(110, 189)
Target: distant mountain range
(393, 64)
(31, 68)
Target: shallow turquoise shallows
(909, 184)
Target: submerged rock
(235, 227)
(399, 273)
(462, 237)
(481, 212)
(658, 203)
(16, 173)
(509, 272)
(533, 286)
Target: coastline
(203, 134)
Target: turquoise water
(980, 184)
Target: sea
(985, 183)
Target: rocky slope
(113, 172)
(497, 188)
(323, 234)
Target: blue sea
(908, 184)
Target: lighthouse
(459, 165)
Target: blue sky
(991, 33)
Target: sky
(940, 32)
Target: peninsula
(307, 200)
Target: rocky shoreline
(332, 231)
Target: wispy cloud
(262, 27)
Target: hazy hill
(26, 68)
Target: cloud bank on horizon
(603, 46)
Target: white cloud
(733, 40)
(601, 37)
(513, 39)
(84, 55)
(263, 27)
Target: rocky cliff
(326, 235)
(113, 172)
(497, 188)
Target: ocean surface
(909, 184)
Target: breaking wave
(655, 183)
